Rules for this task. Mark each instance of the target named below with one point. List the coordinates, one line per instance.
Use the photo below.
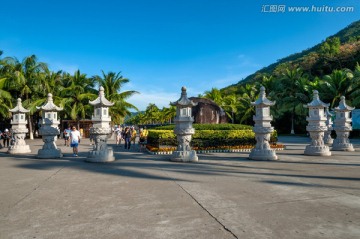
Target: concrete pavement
(139, 195)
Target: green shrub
(210, 127)
(207, 138)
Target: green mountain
(318, 60)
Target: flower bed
(220, 149)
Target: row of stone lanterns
(49, 130)
(319, 128)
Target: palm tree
(5, 100)
(152, 114)
(77, 92)
(355, 95)
(22, 77)
(295, 92)
(248, 94)
(5, 96)
(230, 105)
(169, 113)
(215, 95)
(338, 83)
(112, 83)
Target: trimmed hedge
(207, 138)
(209, 127)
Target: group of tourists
(72, 137)
(129, 134)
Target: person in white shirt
(74, 140)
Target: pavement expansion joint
(207, 211)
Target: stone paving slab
(139, 195)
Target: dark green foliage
(207, 138)
(210, 127)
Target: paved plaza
(139, 195)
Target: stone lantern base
(317, 150)
(101, 156)
(340, 146)
(263, 154)
(19, 146)
(101, 152)
(19, 149)
(342, 142)
(49, 154)
(184, 156)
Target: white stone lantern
(49, 129)
(342, 126)
(19, 130)
(316, 127)
(329, 123)
(262, 128)
(183, 129)
(101, 129)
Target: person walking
(142, 139)
(67, 132)
(118, 133)
(6, 135)
(74, 139)
(133, 135)
(127, 138)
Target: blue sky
(161, 45)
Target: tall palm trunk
(31, 134)
(292, 121)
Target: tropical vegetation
(31, 80)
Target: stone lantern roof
(262, 100)
(101, 100)
(49, 106)
(327, 111)
(183, 101)
(316, 102)
(19, 108)
(343, 106)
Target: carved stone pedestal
(262, 150)
(49, 149)
(317, 146)
(101, 152)
(184, 156)
(19, 146)
(342, 142)
(184, 152)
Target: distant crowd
(129, 134)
